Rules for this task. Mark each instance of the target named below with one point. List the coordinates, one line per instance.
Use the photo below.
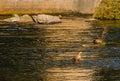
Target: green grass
(108, 9)
(17, 15)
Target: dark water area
(33, 52)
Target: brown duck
(97, 41)
(77, 57)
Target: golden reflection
(69, 74)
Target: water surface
(34, 52)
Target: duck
(97, 41)
(77, 57)
(85, 45)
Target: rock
(46, 19)
(42, 19)
(13, 19)
(24, 18)
(90, 19)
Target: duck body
(97, 41)
(85, 45)
(77, 57)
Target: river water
(34, 52)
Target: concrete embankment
(48, 6)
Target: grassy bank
(108, 9)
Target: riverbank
(80, 22)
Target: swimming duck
(85, 45)
(77, 57)
(97, 41)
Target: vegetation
(103, 43)
(17, 15)
(108, 9)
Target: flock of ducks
(78, 56)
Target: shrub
(17, 15)
(108, 9)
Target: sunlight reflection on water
(44, 53)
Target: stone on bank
(41, 19)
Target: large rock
(24, 18)
(46, 19)
(13, 19)
(42, 19)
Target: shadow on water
(30, 52)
